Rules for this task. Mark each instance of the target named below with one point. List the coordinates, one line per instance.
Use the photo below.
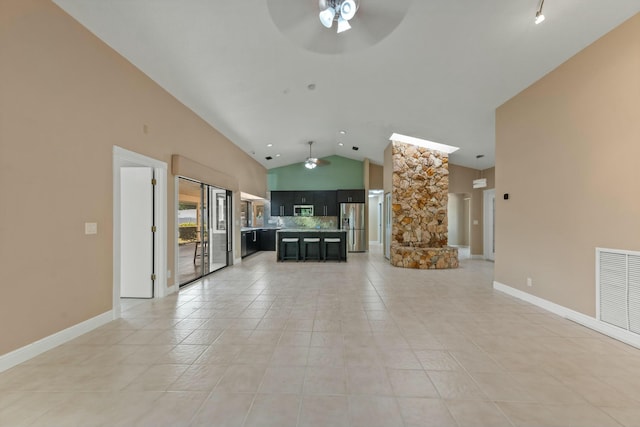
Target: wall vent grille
(618, 288)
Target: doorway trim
(125, 158)
(488, 222)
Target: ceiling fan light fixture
(310, 163)
(327, 16)
(348, 9)
(343, 25)
(539, 14)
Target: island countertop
(310, 230)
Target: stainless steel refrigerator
(352, 220)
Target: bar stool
(310, 241)
(288, 241)
(332, 241)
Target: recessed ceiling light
(269, 145)
(277, 155)
(354, 148)
(311, 86)
(343, 132)
(340, 144)
(268, 157)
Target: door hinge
(153, 277)
(153, 181)
(153, 229)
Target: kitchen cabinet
(351, 196)
(250, 242)
(325, 203)
(282, 203)
(304, 197)
(268, 240)
(243, 244)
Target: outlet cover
(90, 228)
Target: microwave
(302, 210)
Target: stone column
(420, 187)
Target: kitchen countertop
(311, 230)
(259, 228)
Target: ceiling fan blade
(376, 19)
(323, 162)
(299, 21)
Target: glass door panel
(203, 255)
(217, 229)
(203, 229)
(189, 243)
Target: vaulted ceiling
(251, 69)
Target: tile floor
(313, 344)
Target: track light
(539, 15)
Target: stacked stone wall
(419, 232)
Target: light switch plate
(90, 228)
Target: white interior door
(136, 216)
(489, 222)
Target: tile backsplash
(312, 222)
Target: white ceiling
(439, 75)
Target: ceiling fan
(369, 21)
(312, 162)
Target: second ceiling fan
(312, 162)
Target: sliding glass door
(204, 241)
(219, 237)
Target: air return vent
(618, 288)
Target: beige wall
(67, 99)
(567, 151)
(375, 177)
(461, 181)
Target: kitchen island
(318, 251)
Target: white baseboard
(575, 316)
(34, 349)
(237, 261)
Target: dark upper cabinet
(325, 203)
(282, 203)
(303, 197)
(351, 196)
